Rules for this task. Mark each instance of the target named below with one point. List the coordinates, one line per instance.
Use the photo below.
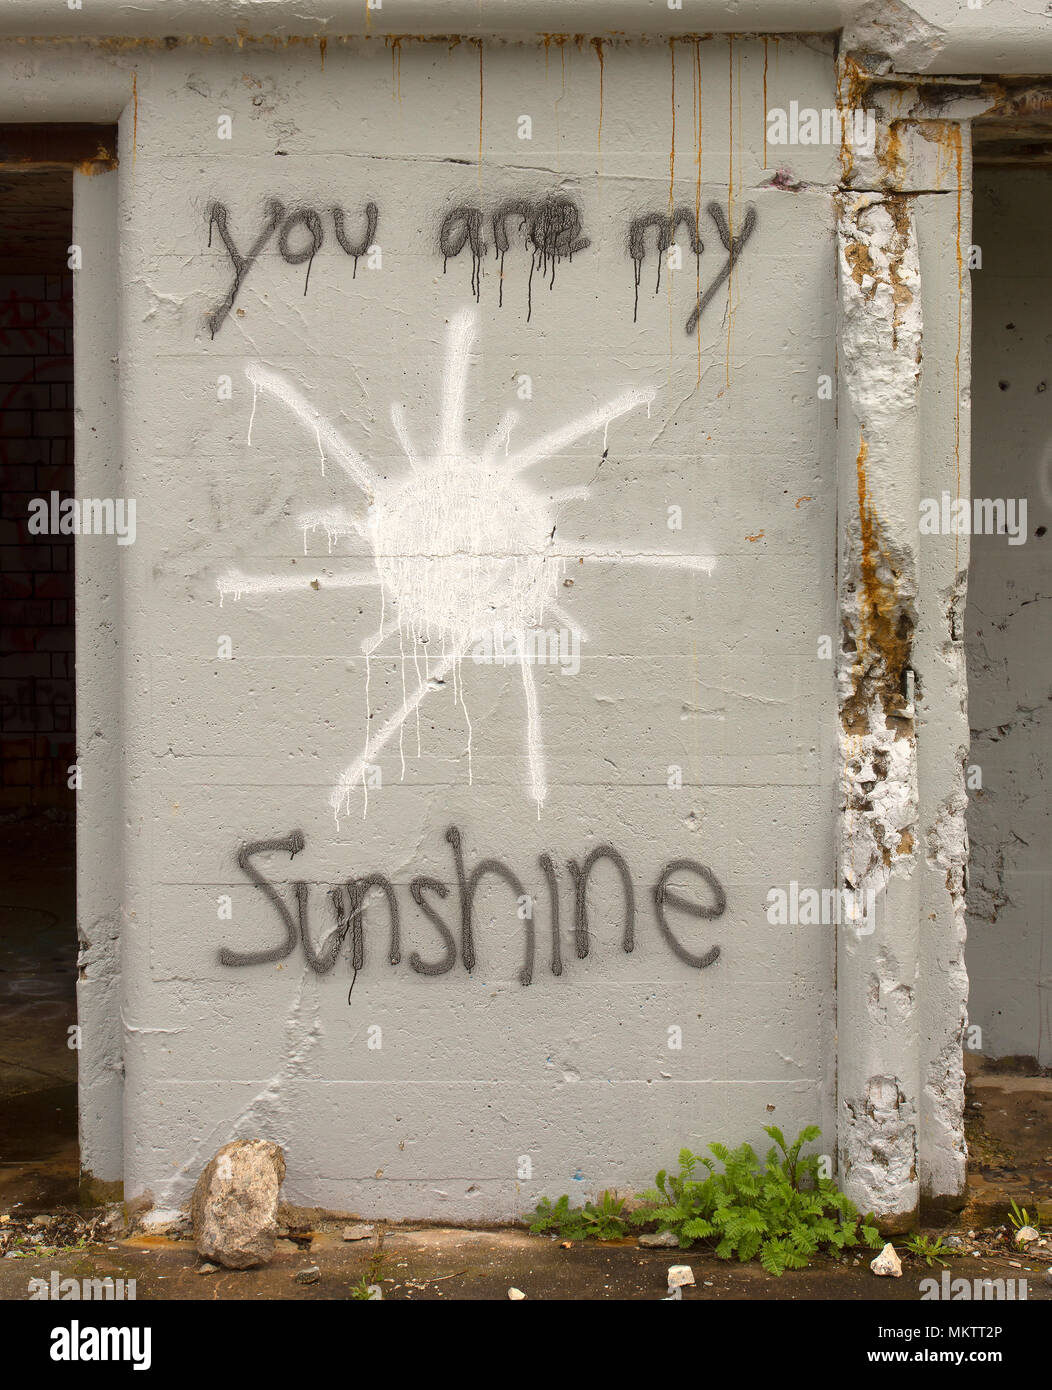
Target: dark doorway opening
(38, 931)
(1009, 945)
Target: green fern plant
(605, 1221)
(781, 1212)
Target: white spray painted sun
(462, 547)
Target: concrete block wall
(351, 414)
(683, 549)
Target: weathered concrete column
(878, 956)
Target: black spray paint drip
(666, 225)
(276, 219)
(462, 226)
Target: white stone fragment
(887, 1263)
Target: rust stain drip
(883, 641)
(394, 42)
(479, 44)
(597, 44)
(955, 135)
(323, 44)
(765, 103)
(889, 153)
(135, 114)
(730, 199)
(901, 294)
(672, 142)
(856, 87)
(697, 161)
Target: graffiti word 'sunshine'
(348, 903)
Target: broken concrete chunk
(515, 1295)
(235, 1204)
(312, 1275)
(359, 1232)
(207, 1268)
(659, 1240)
(1026, 1235)
(887, 1263)
(680, 1276)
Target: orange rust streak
(765, 103)
(697, 188)
(672, 146)
(959, 154)
(730, 197)
(880, 620)
(135, 114)
(597, 44)
(480, 109)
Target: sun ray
(402, 431)
(534, 746)
(558, 440)
(353, 464)
(236, 584)
(461, 336)
(353, 775)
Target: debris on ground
(659, 1240)
(887, 1263)
(311, 1275)
(359, 1232)
(515, 1295)
(235, 1203)
(680, 1276)
(22, 1234)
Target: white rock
(680, 1276)
(1026, 1235)
(359, 1232)
(515, 1295)
(235, 1205)
(887, 1263)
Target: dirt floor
(44, 1235)
(461, 1264)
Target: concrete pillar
(878, 956)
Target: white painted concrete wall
(701, 644)
(702, 658)
(1009, 597)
